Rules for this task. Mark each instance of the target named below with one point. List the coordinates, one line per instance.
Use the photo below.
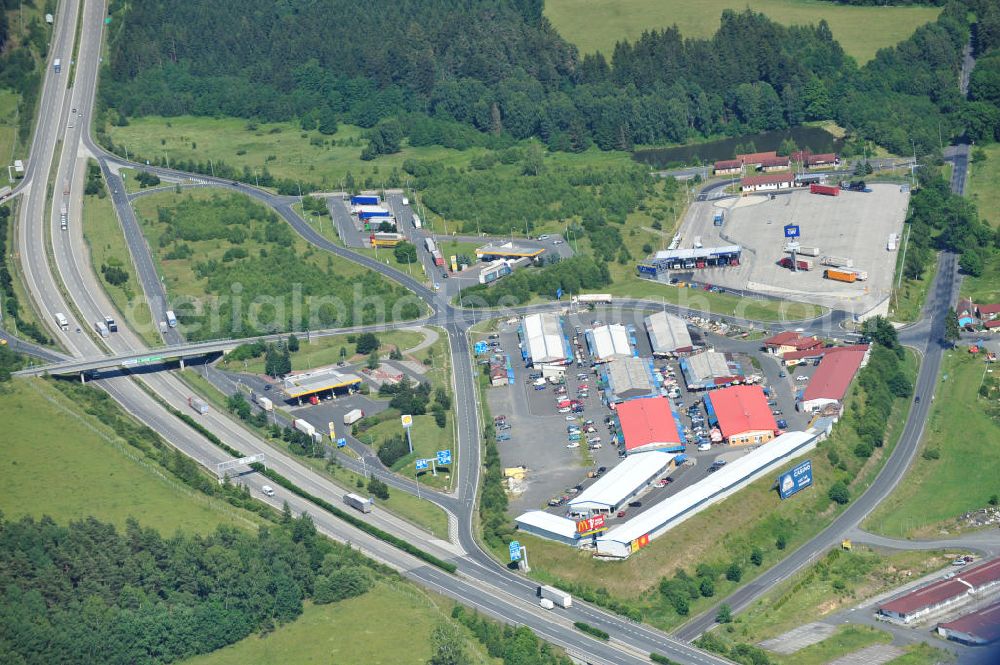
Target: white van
(267, 490)
(101, 328)
(171, 319)
(697, 242)
(61, 320)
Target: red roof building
(742, 414)
(775, 163)
(788, 341)
(765, 182)
(991, 325)
(976, 628)
(916, 604)
(988, 312)
(727, 166)
(825, 159)
(648, 424)
(833, 376)
(756, 158)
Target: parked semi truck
(429, 244)
(305, 427)
(198, 405)
(558, 597)
(364, 200)
(358, 502)
(593, 297)
(837, 262)
(840, 275)
(353, 416)
(801, 264)
(808, 251)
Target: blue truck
(364, 200)
(720, 218)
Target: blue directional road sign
(795, 480)
(515, 550)
(791, 230)
(444, 457)
(341, 443)
(422, 465)
(559, 293)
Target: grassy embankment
(326, 351)
(246, 266)
(909, 299)
(106, 243)
(839, 580)
(964, 477)
(982, 189)
(594, 26)
(727, 531)
(50, 443)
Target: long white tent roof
(779, 450)
(540, 519)
(621, 482)
(610, 341)
(544, 336)
(667, 332)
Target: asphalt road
(481, 581)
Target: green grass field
(753, 515)
(912, 293)
(936, 491)
(595, 25)
(326, 351)
(63, 463)
(357, 630)
(106, 242)
(982, 186)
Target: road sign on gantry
(406, 419)
(422, 465)
(444, 457)
(515, 550)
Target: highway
(60, 278)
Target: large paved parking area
(853, 225)
(538, 436)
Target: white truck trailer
(353, 416)
(560, 598)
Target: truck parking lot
(534, 431)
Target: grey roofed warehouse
(668, 334)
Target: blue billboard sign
(791, 230)
(797, 479)
(422, 465)
(444, 457)
(341, 443)
(515, 550)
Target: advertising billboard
(640, 542)
(797, 479)
(591, 525)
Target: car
(503, 426)
(635, 504)
(601, 470)
(917, 399)
(558, 242)
(583, 386)
(573, 444)
(541, 387)
(772, 403)
(959, 562)
(564, 409)
(494, 336)
(444, 275)
(500, 417)
(776, 412)
(267, 490)
(783, 424)
(704, 446)
(535, 375)
(571, 490)
(802, 378)
(621, 513)
(662, 482)
(570, 418)
(781, 375)
(593, 446)
(544, 236)
(556, 501)
(267, 387)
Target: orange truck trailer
(840, 275)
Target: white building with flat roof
(546, 525)
(622, 483)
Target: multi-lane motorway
(61, 279)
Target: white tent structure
(609, 341)
(543, 340)
(668, 334)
